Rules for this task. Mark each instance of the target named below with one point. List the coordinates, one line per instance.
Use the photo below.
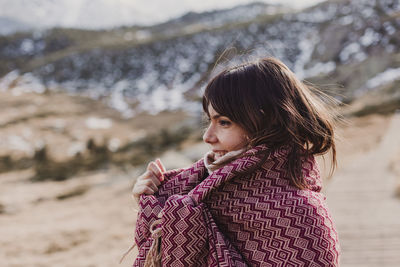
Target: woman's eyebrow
(215, 117)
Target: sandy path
(95, 228)
(365, 209)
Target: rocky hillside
(57, 136)
(352, 45)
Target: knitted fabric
(229, 219)
(213, 164)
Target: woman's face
(223, 135)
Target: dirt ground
(364, 194)
(41, 226)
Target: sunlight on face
(223, 135)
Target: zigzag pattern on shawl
(268, 221)
(273, 223)
(150, 206)
(179, 181)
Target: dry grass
(52, 125)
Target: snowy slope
(101, 14)
(344, 42)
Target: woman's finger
(155, 170)
(149, 183)
(144, 190)
(160, 165)
(148, 175)
(155, 179)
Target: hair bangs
(220, 94)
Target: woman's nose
(209, 136)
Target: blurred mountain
(10, 25)
(351, 44)
(85, 14)
(219, 18)
(101, 14)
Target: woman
(254, 199)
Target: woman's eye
(224, 123)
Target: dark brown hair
(276, 109)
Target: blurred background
(91, 91)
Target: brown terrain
(364, 195)
(89, 219)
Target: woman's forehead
(211, 111)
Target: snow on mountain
(218, 18)
(75, 13)
(383, 78)
(103, 14)
(11, 25)
(165, 70)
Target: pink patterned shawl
(227, 219)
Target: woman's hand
(149, 181)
